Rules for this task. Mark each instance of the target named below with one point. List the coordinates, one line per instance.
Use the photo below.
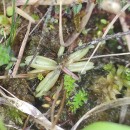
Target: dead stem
(60, 110)
(67, 71)
(108, 55)
(20, 55)
(54, 102)
(19, 76)
(24, 15)
(26, 122)
(28, 75)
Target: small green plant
(35, 16)
(15, 115)
(4, 25)
(4, 55)
(68, 84)
(9, 11)
(74, 99)
(40, 76)
(78, 100)
(77, 8)
(107, 88)
(121, 75)
(44, 63)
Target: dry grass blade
(21, 51)
(54, 102)
(60, 110)
(19, 76)
(26, 122)
(103, 107)
(108, 55)
(24, 14)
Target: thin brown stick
(20, 76)
(26, 122)
(54, 102)
(24, 14)
(20, 55)
(60, 110)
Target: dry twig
(60, 110)
(21, 51)
(24, 14)
(26, 122)
(108, 55)
(54, 103)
